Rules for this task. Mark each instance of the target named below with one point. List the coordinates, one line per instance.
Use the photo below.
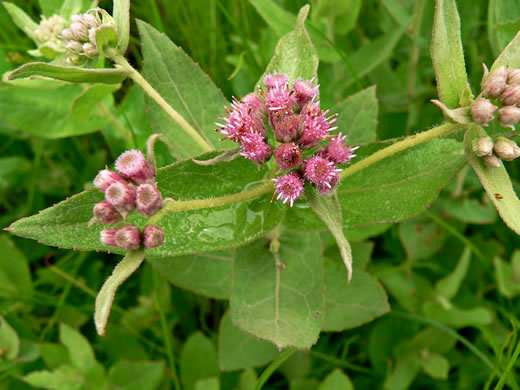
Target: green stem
(178, 118)
(273, 367)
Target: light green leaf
(457, 317)
(208, 274)
(106, 38)
(50, 7)
(63, 378)
(208, 384)
(122, 18)
(248, 379)
(69, 73)
(495, 181)
(342, 14)
(278, 296)
(507, 275)
(435, 365)
(71, 7)
(9, 341)
(503, 25)
(351, 305)
(448, 57)
(80, 352)
(450, 284)
(403, 375)
(141, 375)
(336, 380)
(186, 88)
(421, 238)
(106, 295)
(21, 19)
(398, 11)
(238, 350)
(198, 360)
(15, 275)
(86, 104)
(295, 54)
(357, 116)
(54, 355)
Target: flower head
(509, 116)
(148, 199)
(289, 187)
(495, 83)
(133, 164)
(322, 172)
(104, 212)
(105, 178)
(107, 237)
(255, 148)
(285, 125)
(241, 121)
(304, 91)
(121, 196)
(276, 81)
(128, 237)
(153, 236)
(511, 95)
(288, 156)
(315, 126)
(482, 111)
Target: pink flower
(315, 125)
(321, 172)
(153, 236)
(133, 165)
(128, 237)
(241, 120)
(276, 81)
(338, 152)
(256, 103)
(304, 91)
(148, 199)
(121, 196)
(288, 156)
(254, 148)
(285, 125)
(107, 237)
(104, 212)
(289, 187)
(105, 178)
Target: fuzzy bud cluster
(492, 152)
(47, 37)
(500, 96)
(134, 187)
(297, 122)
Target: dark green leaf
(15, 275)
(140, 375)
(507, 275)
(503, 25)
(198, 360)
(336, 380)
(86, 105)
(9, 341)
(21, 19)
(421, 238)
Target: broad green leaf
(448, 57)
(198, 226)
(495, 181)
(248, 379)
(435, 365)
(106, 295)
(9, 341)
(507, 275)
(13, 171)
(421, 238)
(122, 18)
(63, 378)
(363, 232)
(15, 275)
(69, 73)
(457, 317)
(351, 305)
(141, 375)
(470, 210)
(336, 380)
(208, 274)
(106, 38)
(238, 350)
(278, 296)
(86, 104)
(198, 360)
(357, 116)
(21, 19)
(295, 54)
(503, 24)
(186, 88)
(208, 384)
(54, 355)
(403, 375)
(450, 284)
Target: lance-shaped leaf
(122, 19)
(295, 54)
(21, 19)
(448, 57)
(216, 207)
(69, 73)
(278, 296)
(495, 181)
(106, 295)
(510, 57)
(186, 88)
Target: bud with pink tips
(289, 187)
(509, 116)
(257, 105)
(153, 236)
(511, 95)
(482, 111)
(304, 91)
(338, 152)
(513, 76)
(506, 149)
(104, 212)
(321, 172)
(288, 156)
(276, 81)
(107, 237)
(315, 125)
(285, 125)
(121, 196)
(105, 178)
(133, 165)
(148, 199)
(254, 148)
(495, 83)
(128, 237)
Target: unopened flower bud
(153, 236)
(482, 111)
(276, 81)
(105, 178)
(68, 35)
(107, 237)
(80, 31)
(92, 36)
(338, 152)
(513, 76)
(491, 161)
(304, 91)
(121, 196)
(128, 237)
(288, 156)
(104, 212)
(505, 148)
(285, 125)
(289, 187)
(508, 116)
(74, 46)
(256, 103)
(90, 21)
(148, 199)
(495, 83)
(483, 146)
(133, 165)
(255, 148)
(511, 95)
(90, 50)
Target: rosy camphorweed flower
(338, 152)
(288, 156)
(105, 178)
(495, 83)
(289, 187)
(133, 165)
(128, 237)
(153, 236)
(121, 196)
(509, 116)
(241, 120)
(104, 212)
(315, 125)
(511, 95)
(482, 111)
(255, 148)
(304, 91)
(285, 125)
(276, 81)
(321, 172)
(107, 237)
(148, 199)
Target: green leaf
(336, 380)
(341, 14)
(21, 19)
(208, 274)
(457, 317)
(470, 210)
(278, 296)
(208, 384)
(15, 275)
(69, 73)
(140, 375)
(54, 355)
(198, 360)
(80, 352)
(435, 365)
(421, 238)
(495, 181)
(450, 284)
(509, 57)
(13, 171)
(448, 57)
(63, 378)
(398, 11)
(186, 88)
(507, 275)
(238, 350)
(9, 341)
(106, 38)
(503, 25)
(50, 7)
(351, 305)
(86, 104)
(106, 295)
(403, 374)
(357, 114)
(295, 54)
(71, 7)
(248, 379)
(196, 227)
(122, 18)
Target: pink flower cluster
(298, 123)
(134, 187)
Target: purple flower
(254, 148)
(276, 81)
(321, 172)
(304, 91)
(107, 237)
(153, 236)
(256, 103)
(104, 212)
(133, 165)
(338, 152)
(148, 199)
(280, 99)
(128, 237)
(289, 187)
(288, 156)
(241, 120)
(121, 196)
(315, 125)
(105, 178)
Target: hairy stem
(178, 118)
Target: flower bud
(285, 125)
(133, 165)
(289, 187)
(68, 34)
(153, 236)
(74, 46)
(148, 199)
(104, 212)
(90, 50)
(304, 91)
(338, 152)
(511, 95)
(495, 83)
(92, 36)
(288, 156)
(482, 111)
(107, 237)
(315, 126)
(508, 116)
(255, 148)
(80, 31)
(513, 76)
(90, 21)
(483, 146)
(276, 81)
(105, 178)
(492, 161)
(256, 103)
(505, 148)
(121, 196)
(321, 172)
(128, 237)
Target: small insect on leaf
(498, 196)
